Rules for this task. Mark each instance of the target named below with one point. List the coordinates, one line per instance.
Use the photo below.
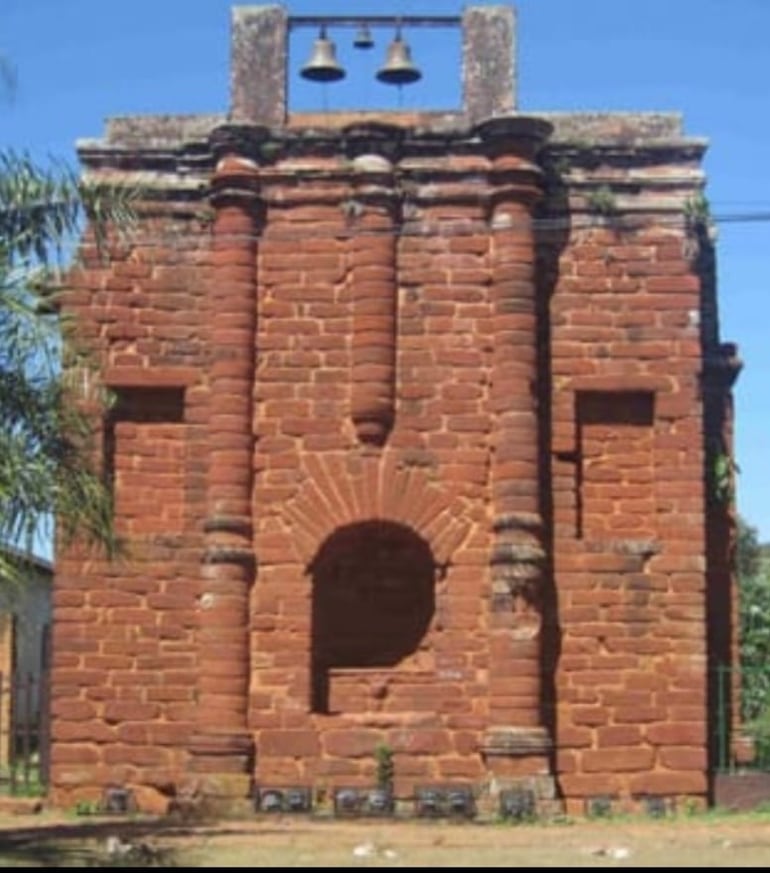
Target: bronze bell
(398, 68)
(363, 39)
(323, 65)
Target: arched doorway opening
(373, 600)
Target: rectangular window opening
(614, 488)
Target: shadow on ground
(104, 843)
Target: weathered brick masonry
(415, 417)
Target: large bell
(323, 65)
(398, 68)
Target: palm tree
(46, 467)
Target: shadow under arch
(373, 600)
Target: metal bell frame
(398, 69)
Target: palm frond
(46, 456)
(43, 209)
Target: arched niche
(373, 600)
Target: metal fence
(24, 733)
(742, 722)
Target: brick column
(373, 263)
(489, 61)
(258, 64)
(516, 723)
(222, 745)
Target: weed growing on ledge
(602, 200)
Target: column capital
(521, 135)
(244, 140)
(512, 144)
(373, 138)
(235, 183)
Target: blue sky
(79, 61)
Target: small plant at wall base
(379, 801)
(383, 755)
(86, 807)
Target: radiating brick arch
(339, 491)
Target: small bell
(323, 65)
(364, 39)
(398, 68)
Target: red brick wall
(124, 650)
(412, 398)
(628, 521)
(315, 477)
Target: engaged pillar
(517, 729)
(222, 745)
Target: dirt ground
(704, 841)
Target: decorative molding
(229, 555)
(228, 524)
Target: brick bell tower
(393, 399)
(394, 391)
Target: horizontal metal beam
(375, 20)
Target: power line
(741, 217)
(344, 233)
(446, 228)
